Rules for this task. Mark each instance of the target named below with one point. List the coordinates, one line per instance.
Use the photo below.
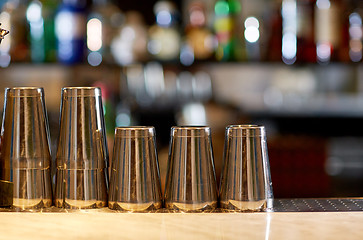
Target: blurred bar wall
(294, 66)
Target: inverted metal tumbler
(82, 155)
(135, 181)
(191, 182)
(25, 154)
(246, 182)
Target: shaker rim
(135, 131)
(24, 91)
(246, 130)
(134, 127)
(190, 131)
(191, 127)
(245, 126)
(82, 91)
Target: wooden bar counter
(104, 224)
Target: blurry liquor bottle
(356, 32)
(331, 31)
(274, 28)
(164, 38)
(198, 36)
(102, 25)
(15, 46)
(289, 31)
(298, 31)
(40, 15)
(250, 22)
(238, 46)
(70, 29)
(230, 31)
(223, 26)
(130, 44)
(343, 52)
(305, 31)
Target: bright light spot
(210, 42)
(128, 34)
(289, 17)
(355, 45)
(64, 26)
(123, 119)
(289, 45)
(355, 19)
(323, 51)
(355, 32)
(289, 29)
(221, 8)
(186, 55)
(65, 50)
(154, 79)
(252, 22)
(197, 18)
(163, 18)
(94, 34)
(5, 60)
(355, 28)
(34, 12)
(355, 56)
(288, 8)
(94, 59)
(154, 47)
(122, 46)
(6, 43)
(323, 4)
(37, 29)
(194, 114)
(252, 34)
(289, 61)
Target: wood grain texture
(110, 225)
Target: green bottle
(238, 47)
(40, 16)
(223, 29)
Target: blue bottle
(70, 29)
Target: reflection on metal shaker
(135, 182)
(82, 155)
(191, 182)
(25, 154)
(246, 182)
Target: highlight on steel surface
(191, 181)
(25, 158)
(135, 181)
(246, 182)
(3, 32)
(82, 155)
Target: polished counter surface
(104, 224)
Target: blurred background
(294, 66)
